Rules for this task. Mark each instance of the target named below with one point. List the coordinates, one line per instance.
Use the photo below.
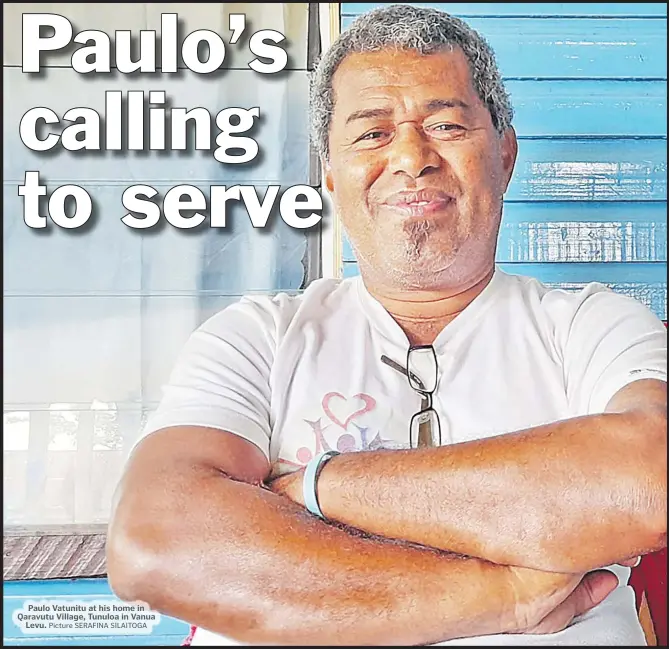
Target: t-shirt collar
(385, 324)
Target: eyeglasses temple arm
(394, 365)
(400, 369)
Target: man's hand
(290, 486)
(548, 602)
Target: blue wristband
(311, 473)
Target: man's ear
(329, 180)
(509, 154)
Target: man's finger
(593, 590)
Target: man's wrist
(310, 481)
(495, 600)
(474, 597)
(326, 485)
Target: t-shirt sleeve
(221, 378)
(609, 341)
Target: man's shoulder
(562, 304)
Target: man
(502, 446)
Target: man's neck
(422, 314)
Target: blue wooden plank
(589, 108)
(54, 587)
(583, 232)
(567, 48)
(589, 232)
(607, 273)
(576, 9)
(587, 48)
(350, 269)
(590, 170)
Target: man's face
(417, 171)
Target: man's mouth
(422, 202)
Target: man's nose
(411, 152)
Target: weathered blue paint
(589, 108)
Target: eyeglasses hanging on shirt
(421, 371)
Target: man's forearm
(241, 561)
(568, 496)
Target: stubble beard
(417, 239)
(413, 263)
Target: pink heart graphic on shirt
(344, 407)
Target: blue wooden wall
(588, 200)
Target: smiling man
(434, 452)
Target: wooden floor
(53, 554)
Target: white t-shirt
(296, 375)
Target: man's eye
(446, 128)
(372, 135)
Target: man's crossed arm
(196, 535)
(569, 496)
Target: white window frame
(329, 16)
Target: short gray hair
(414, 28)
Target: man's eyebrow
(438, 104)
(369, 113)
